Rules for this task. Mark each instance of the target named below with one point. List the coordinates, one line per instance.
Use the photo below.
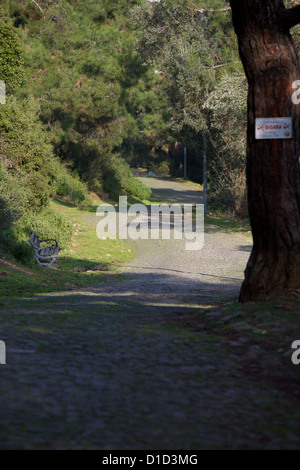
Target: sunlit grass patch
(77, 264)
(228, 223)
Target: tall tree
(271, 65)
(191, 47)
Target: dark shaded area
(181, 197)
(110, 367)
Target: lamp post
(204, 144)
(205, 176)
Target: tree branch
(201, 10)
(204, 10)
(289, 17)
(37, 5)
(213, 66)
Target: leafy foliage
(100, 86)
(193, 49)
(80, 62)
(227, 106)
(68, 67)
(29, 175)
(13, 198)
(11, 54)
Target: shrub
(119, 180)
(13, 198)
(227, 108)
(30, 159)
(18, 219)
(47, 223)
(69, 185)
(11, 54)
(137, 189)
(161, 169)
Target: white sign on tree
(273, 128)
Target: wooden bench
(47, 255)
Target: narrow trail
(109, 367)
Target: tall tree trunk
(271, 65)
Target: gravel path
(109, 368)
(172, 191)
(167, 267)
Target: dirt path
(110, 367)
(166, 267)
(172, 191)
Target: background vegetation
(98, 88)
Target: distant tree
(191, 47)
(271, 65)
(226, 108)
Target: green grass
(147, 202)
(272, 322)
(226, 223)
(188, 183)
(85, 251)
(15, 284)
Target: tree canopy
(103, 87)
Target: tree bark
(271, 65)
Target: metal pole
(204, 144)
(184, 163)
(205, 175)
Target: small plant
(120, 180)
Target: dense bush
(47, 223)
(136, 188)
(29, 175)
(69, 185)
(162, 169)
(18, 219)
(118, 180)
(11, 54)
(88, 79)
(29, 158)
(13, 198)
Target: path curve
(166, 266)
(173, 191)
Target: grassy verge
(259, 334)
(187, 182)
(228, 224)
(86, 260)
(269, 320)
(147, 202)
